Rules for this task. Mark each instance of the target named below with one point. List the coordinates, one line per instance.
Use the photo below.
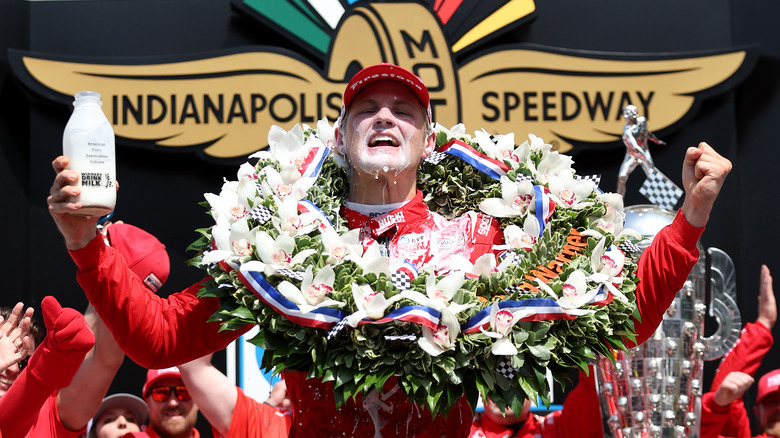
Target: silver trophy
(654, 390)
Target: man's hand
(15, 340)
(703, 174)
(767, 306)
(78, 231)
(732, 388)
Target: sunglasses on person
(162, 393)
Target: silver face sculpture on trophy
(654, 390)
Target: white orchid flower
(444, 337)
(523, 238)
(516, 198)
(314, 290)
(373, 261)
(486, 264)
(439, 293)
(553, 164)
(341, 247)
(570, 192)
(326, 132)
(500, 147)
(370, 304)
(276, 184)
(501, 323)
(285, 147)
(536, 144)
(233, 242)
(289, 220)
(574, 294)
(457, 131)
(278, 253)
(607, 266)
(614, 217)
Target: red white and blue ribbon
(306, 206)
(532, 309)
(544, 206)
(312, 164)
(493, 168)
(409, 269)
(423, 315)
(320, 317)
(603, 297)
(326, 317)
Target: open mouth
(381, 140)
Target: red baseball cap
(154, 376)
(385, 72)
(144, 254)
(768, 385)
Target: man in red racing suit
(384, 134)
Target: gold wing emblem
(223, 105)
(565, 97)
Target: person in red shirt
(574, 419)
(723, 408)
(51, 367)
(172, 411)
(228, 409)
(68, 410)
(384, 133)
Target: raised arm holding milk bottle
(88, 141)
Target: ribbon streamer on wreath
(327, 317)
(533, 309)
(306, 206)
(492, 168)
(312, 164)
(544, 206)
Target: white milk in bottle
(88, 141)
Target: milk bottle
(88, 141)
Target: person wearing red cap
(723, 408)
(68, 409)
(383, 134)
(172, 411)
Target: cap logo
(152, 282)
(773, 381)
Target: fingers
(10, 324)
(60, 163)
(51, 310)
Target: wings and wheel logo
(220, 105)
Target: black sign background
(160, 190)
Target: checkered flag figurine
(261, 214)
(506, 369)
(660, 190)
(401, 280)
(435, 157)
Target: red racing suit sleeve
(713, 417)
(154, 332)
(753, 344)
(662, 269)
